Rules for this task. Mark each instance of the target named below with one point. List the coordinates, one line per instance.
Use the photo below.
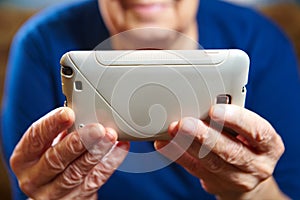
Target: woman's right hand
(76, 166)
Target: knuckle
(96, 178)
(264, 171)
(72, 177)
(235, 154)
(214, 164)
(13, 162)
(280, 148)
(268, 138)
(90, 159)
(264, 134)
(35, 138)
(54, 160)
(264, 174)
(84, 164)
(49, 125)
(74, 144)
(279, 151)
(246, 186)
(26, 185)
(243, 182)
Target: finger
(40, 135)
(173, 128)
(102, 172)
(209, 180)
(76, 172)
(58, 157)
(260, 134)
(98, 175)
(217, 175)
(231, 151)
(175, 153)
(193, 163)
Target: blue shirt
(33, 87)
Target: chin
(149, 37)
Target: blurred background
(259, 3)
(11, 19)
(30, 4)
(284, 13)
(13, 13)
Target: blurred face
(177, 15)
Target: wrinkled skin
(229, 166)
(235, 167)
(76, 167)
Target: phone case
(139, 93)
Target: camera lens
(68, 71)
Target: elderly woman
(245, 166)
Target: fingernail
(97, 131)
(123, 145)
(64, 115)
(111, 134)
(188, 125)
(91, 134)
(218, 111)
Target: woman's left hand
(230, 166)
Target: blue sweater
(33, 87)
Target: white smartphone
(139, 93)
